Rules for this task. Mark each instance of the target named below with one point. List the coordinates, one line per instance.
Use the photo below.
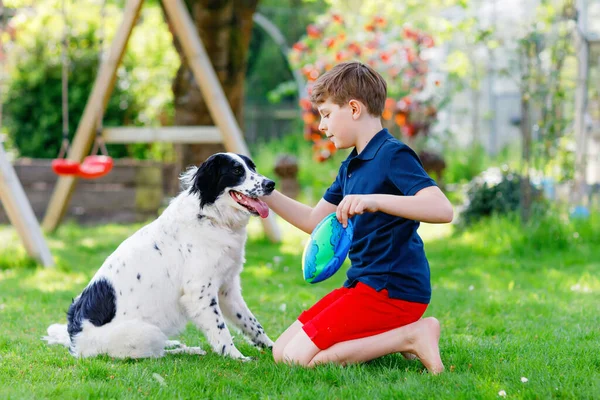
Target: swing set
(74, 160)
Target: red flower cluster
(395, 52)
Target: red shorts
(353, 313)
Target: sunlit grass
(510, 308)
(50, 280)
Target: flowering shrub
(397, 53)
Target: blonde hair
(351, 80)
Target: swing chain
(64, 148)
(99, 142)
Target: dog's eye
(238, 171)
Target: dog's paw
(235, 354)
(263, 343)
(195, 350)
(172, 343)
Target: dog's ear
(206, 180)
(186, 179)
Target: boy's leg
(284, 339)
(420, 338)
(307, 315)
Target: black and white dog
(183, 266)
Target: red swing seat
(95, 167)
(92, 167)
(65, 167)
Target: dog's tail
(122, 339)
(58, 334)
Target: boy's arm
(427, 205)
(300, 215)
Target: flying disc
(326, 249)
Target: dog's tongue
(260, 206)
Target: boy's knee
(278, 351)
(295, 356)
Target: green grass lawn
(519, 316)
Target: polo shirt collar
(372, 147)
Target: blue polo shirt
(386, 251)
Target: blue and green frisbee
(326, 249)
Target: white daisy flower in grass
(283, 307)
(523, 379)
(502, 393)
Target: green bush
(464, 164)
(495, 192)
(142, 95)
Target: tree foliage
(142, 94)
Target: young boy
(384, 189)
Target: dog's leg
(202, 307)
(235, 309)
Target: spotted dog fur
(184, 266)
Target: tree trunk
(224, 27)
(527, 91)
(526, 195)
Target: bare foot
(408, 356)
(426, 344)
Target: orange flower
(308, 118)
(400, 119)
(305, 104)
(390, 103)
(313, 31)
(379, 21)
(387, 114)
(299, 46)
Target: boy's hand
(355, 204)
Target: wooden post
(581, 88)
(211, 89)
(84, 137)
(20, 213)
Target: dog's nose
(268, 185)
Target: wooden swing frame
(226, 130)
(19, 211)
